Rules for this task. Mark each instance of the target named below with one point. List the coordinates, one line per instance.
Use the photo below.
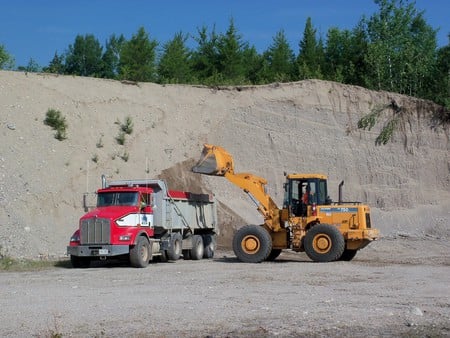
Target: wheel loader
(308, 221)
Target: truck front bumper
(98, 250)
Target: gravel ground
(394, 287)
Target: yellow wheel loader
(308, 221)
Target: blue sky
(38, 29)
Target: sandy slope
(309, 126)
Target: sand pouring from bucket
(214, 161)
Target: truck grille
(95, 231)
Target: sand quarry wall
(307, 126)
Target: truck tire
(175, 246)
(197, 250)
(209, 242)
(324, 243)
(80, 262)
(140, 253)
(273, 255)
(252, 244)
(348, 255)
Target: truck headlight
(124, 238)
(75, 238)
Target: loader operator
(300, 206)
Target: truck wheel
(348, 255)
(324, 243)
(197, 247)
(80, 262)
(140, 253)
(273, 255)
(209, 242)
(175, 246)
(252, 244)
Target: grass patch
(16, 265)
(57, 121)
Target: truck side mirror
(143, 205)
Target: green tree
(56, 65)
(32, 66)
(253, 65)
(442, 76)
(205, 58)
(84, 57)
(230, 55)
(279, 60)
(356, 71)
(174, 65)
(138, 58)
(310, 56)
(401, 49)
(111, 57)
(6, 60)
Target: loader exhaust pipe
(340, 192)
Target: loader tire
(324, 243)
(252, 244)
(175, 246)
(273, 255)
(348, 255)
(140, 253)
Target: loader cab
(302, 191)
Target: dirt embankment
(309, 126)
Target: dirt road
(395, 287)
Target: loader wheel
(348, 255)
(175, 246)
(197, 247)
(273, 255)
(252, 244)
(140, 253)
(324, 243)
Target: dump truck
(142, 219)
(308, 221)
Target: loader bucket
(214, 161)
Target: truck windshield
(106, 199)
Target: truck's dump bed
(177, 209)
(197, 211)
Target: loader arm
(216, 161)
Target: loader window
(303, 192)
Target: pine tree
(279, 59)
(138, 58)
(230, 56)
(56, 65)
(174, 65)
(310, 54)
